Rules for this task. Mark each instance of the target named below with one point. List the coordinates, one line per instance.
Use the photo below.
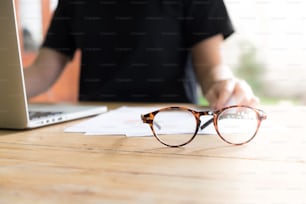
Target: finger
(244, 94)
(254, 101)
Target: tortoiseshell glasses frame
(258, 114)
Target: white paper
(124, 121)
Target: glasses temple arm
(156, 124)
(207, 123)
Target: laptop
(15, 112)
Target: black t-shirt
(134, 50)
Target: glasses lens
(237, 125)
(174, 127)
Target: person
(135, 50)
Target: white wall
(30, 17)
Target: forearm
(36, 81)
(213, 74)
(45, 70)
(207, 62)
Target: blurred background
(268, 48)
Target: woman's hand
(231, 91)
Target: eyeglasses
(178, 126)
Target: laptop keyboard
(42, 114)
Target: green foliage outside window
(250, 68)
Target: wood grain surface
(46, 165)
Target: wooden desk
(48, 166)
